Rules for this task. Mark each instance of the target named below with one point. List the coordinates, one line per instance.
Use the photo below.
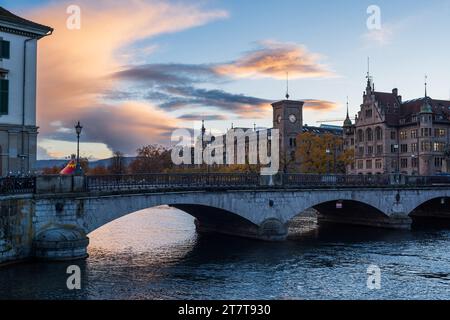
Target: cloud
(238, 104)
(200, 117)
(379, 37)
(273, 60)
(319, 105)
(75, 65)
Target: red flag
(69, 169)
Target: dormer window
(4, 49)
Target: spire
(348, 122)
(426, 85)
(203, 127)
(254, 126)
(348, 116)
(287, 86)
(370, 87)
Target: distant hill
(41, 164)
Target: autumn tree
(98, 171)
(151, 159)
(117, 165)
(322, 154)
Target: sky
(137, 69)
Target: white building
(18, 60)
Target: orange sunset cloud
(274, 60)
(74, 64)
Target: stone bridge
(52, 220)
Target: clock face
(292, 118)
(279, 119)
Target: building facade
(18, 61)
(390, 135)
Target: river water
(156, 254)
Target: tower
(288, 119)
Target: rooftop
(9, 19)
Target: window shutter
(5, 50)
(4, 93)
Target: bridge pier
(214, 220)
(60, 243)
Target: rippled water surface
(156, 254)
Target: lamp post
(328, 153)
(78, 169)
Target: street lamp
(328, 153)
(78, 169)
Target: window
(404, 148)
(393, 135)
(438, 162)
(438, 147)
(361, 151)
(415, 162)
(352, 142)
(425, 146)
(368, 164)
(4, 94)
(403, 135)
(4, 49)
(425, 132)
(414, 147)
(379, 149)
(404, 163)
(378, 164)
(369, 150)
(360, 164)
(379, 133)
(360, 136)
(369, 113)
(394, 148)
(413, 134)
(439, 133)
(369, 134)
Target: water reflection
(156, 254)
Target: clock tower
(288, 119)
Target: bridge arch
(436, 207)
(221, 213)
(346, 211)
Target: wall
(16, 228)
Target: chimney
(395, 92)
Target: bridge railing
(210, 181)
(17, 185)
(168, 181)
(312, 180)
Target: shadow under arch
(215, 220)
(208, 219)
(436, 210)
(348, 212)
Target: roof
(396, 111)
(10, 18)
(335, 130)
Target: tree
(98, 171)
(322, 154)
(152, 159)
(51, 170)
(118, 165)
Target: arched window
(369, 134)
(360, 136)
(379, 133)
